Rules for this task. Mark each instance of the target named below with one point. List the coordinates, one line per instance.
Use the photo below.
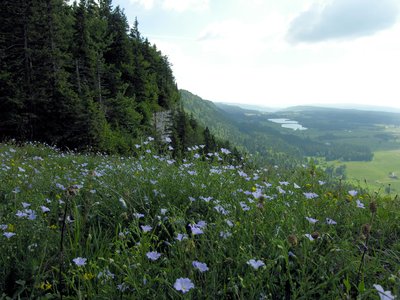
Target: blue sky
(278, 53)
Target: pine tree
(15, 76)
(209, 141)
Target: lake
(286, 123)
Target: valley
(367, 143)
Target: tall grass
(77, 226)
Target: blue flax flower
(183, 285)
(256, 263)
(80, 261)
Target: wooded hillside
(78, 76)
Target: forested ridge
(78, 76)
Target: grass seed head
(366, 229)
(72, 191)
(373, 207)
(292, 239)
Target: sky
(278, 53)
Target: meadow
(85, 226)
(380, 175)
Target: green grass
(376, 172)
(56, 207)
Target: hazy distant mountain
(263, 108)
(345, 106)
(250, 106)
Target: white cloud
(244, 41)
(338, 19)
(147, 4)
(184, 5)
(364, 71)
(243, 59)
(174, 5)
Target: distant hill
(335, 118)
(214, 117)
(263, 108)
(357, 107)
(249, 106)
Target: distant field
(376, 172)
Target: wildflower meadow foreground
(76, 226)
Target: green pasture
(375, 174)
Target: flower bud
(315, 235)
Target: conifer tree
(15, 78)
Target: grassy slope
(104, 194)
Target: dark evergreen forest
(78, 77)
